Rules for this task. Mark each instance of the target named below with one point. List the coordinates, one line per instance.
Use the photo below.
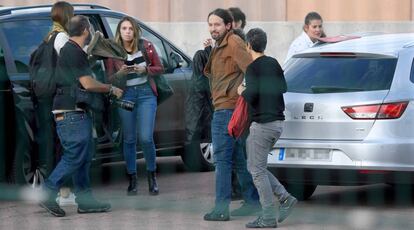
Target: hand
(240, 89)
(140, 69)
(124, 70)
(117, 92)
(208, 42)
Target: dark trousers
(45, 135)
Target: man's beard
(217, 36)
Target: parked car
(21, 31)
(349, 115)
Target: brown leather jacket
(154, 67)
(225, 69)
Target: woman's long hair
(137, 33)
(61, 13)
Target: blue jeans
(75, 134)
(229, 154)
(139, 125)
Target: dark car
(21, 31)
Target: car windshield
(23, 38)
(339, 74)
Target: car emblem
(308, 107)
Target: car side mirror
(176, 60)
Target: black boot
(152, 183)
(132, 188)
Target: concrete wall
(256, 10)
(189, 36)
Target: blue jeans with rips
(228, 154)
(139, 125)
(75, 134)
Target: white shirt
(60, 41)
(138, 59)
(300, 43)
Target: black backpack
(42, 67)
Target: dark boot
(152, 183)
(132, 188)
(88, 204)
(51, 205)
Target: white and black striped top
(134, 78)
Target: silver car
(349, 115)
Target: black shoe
(52, 207)
(217, 216)
(152, 183)
(247, 210)
(88, 204)
(262, 223)
(286, 207)
(132, 188)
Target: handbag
(164, 89)
(239, 121)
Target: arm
(115, 70)
(92, 85)
(239, 52)
(251, 93)
(154, 64)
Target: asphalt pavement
(186, 196)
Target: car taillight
(378, 111)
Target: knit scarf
(58, 27)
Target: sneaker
(89, 204)
(247, 210)
(286, 208)
(217, 216)
(66, 201)
(52, 207)
(262, 223)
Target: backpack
(42, 67)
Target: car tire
(300, 191)
(198, 156)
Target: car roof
(384, 44)
(22, 11)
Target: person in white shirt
(61, 13)
(312, 30)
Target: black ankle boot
(152, 183)
(132, 188)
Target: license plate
(304, 154)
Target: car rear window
(339, 74)
(23, 37)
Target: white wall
(189, 35)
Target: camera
(123, 104)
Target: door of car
(170, 114)
(4, 95)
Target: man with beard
(225, 69)
(73, 123)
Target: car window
(23, 38)
(158, 43)
(331, 75)
(412, 72)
